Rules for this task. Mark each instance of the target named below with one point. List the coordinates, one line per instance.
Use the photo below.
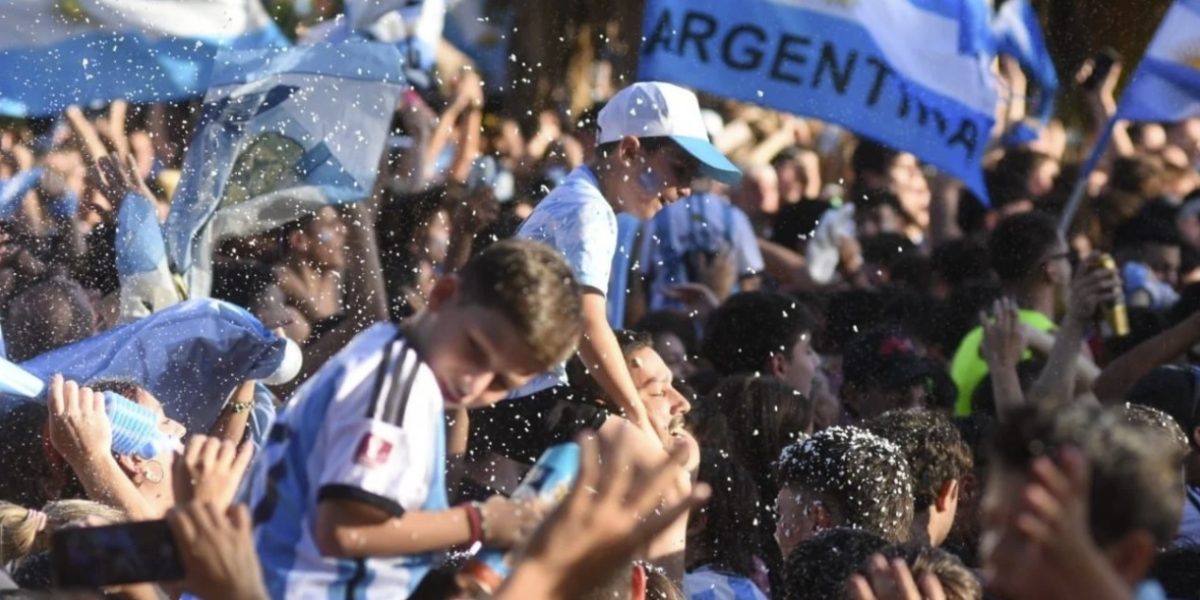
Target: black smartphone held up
(1102, 63)
(115, 555)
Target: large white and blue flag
(1019, 35)
(1166, 85)
(912, 74)
(191, 356)
(54, 53)
(281, 135)
(146, 282)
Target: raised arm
(1089, 290)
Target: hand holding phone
(1102, 65)
(217, 551)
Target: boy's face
(653, 178)
(799, 366)
(476, 354)
(794, 522)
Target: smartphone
(1103, 63)
(115, 555)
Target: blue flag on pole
(55, 53)
(1019, 35)
(1166, 85)
(282, 134)
(146, 282)
(912, 74)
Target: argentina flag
(1166, 85)
(1019, 35)
(54, 53)
(146, 282)
(912, 74)
(191, 356)
(281, 135)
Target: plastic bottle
(549, 480)
(135, 428)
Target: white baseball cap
(651, 109)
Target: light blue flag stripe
(812, 58)
(314, 118)
(1018, 34)
(82, 64)
(1166, 85)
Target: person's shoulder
(1036, 320)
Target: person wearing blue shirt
(651, 143)
(689, 233)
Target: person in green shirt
(1033, 262)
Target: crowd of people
(797, 363)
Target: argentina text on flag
(913, 74)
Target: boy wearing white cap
(651, 144)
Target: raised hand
(78, 424)
(210, 470)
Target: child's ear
(629, 148)
(821, 517)
(1132, 555)
(444, 290)
(775, 365)
(1196, 436)
(637, 590)
(947, 494)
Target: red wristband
(474, 521)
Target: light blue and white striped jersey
(367, 427)
(706, 584)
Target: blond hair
(23, 531)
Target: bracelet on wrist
(474, 514)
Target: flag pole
(1080, 189)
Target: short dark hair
(1008, 180)
(818, 568)
(730, 534)
(1143, 230)
(1173, 390)
(1178, 571)
(1019, 244)
(580, 377)
(872, 157)
(864, 478)
(935, 451)
(761, 416)
(669, 321)
(751, 327)
(1136, 480)
(958, 582)
(49, 314)
(534, 288)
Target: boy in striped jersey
(348, 495)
